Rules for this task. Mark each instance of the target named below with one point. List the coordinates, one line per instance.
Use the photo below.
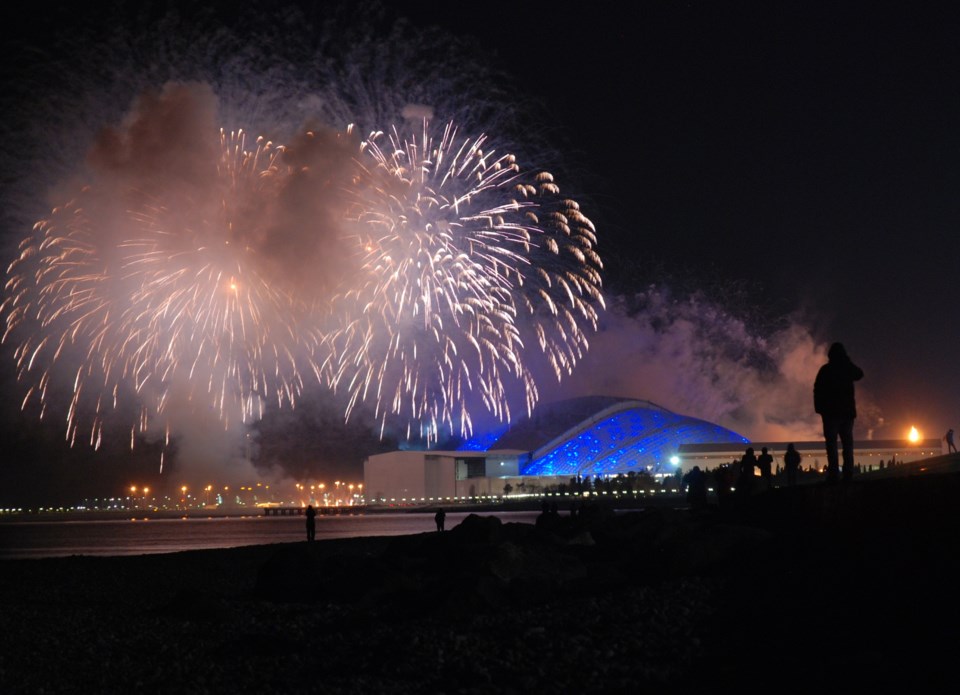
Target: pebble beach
(793, 587)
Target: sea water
(138, 536)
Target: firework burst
(426, 277)
(470, 268)
(174, 295)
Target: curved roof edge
(549, 421)
(594, 419)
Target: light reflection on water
(36, 539)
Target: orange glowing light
(914, 435)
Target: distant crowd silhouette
(834, 399)
(740, 477)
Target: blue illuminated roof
(550, 420)
(624, 436)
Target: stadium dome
(598, 435)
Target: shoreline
(532, 505)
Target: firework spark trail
(468, 263)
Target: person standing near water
(311, 515)
(948, 438)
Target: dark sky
(806, 151)
(811, 147)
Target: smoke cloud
(694, 357)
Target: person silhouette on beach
(722, 482)
(696, 483)
(834, 400)
(948, 438)
(745, 479)
(440, 517)
(791, 463)
(765, 464)
(311, 515)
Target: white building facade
(400, 477)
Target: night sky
(807, 150)
(794, 166)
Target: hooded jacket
(833, 392)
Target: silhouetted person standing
(696, 483)
(723, 481)
(745, 478)
(440, 517)
(311, 515)
(765, 464)
(949, 439)
(791, 462)
(834, 400)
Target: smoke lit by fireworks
(177, 299)
(448, 267)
